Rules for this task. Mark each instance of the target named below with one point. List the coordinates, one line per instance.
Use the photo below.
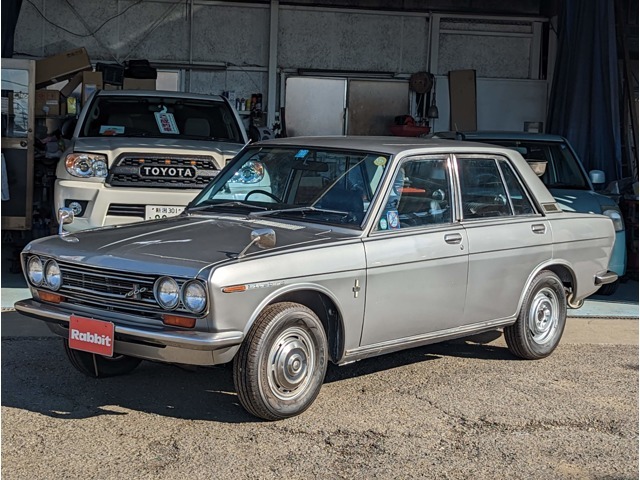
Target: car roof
(501, 135)
(387, 145)
(158, 93)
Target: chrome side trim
(188, 339)
(419, 340)
(604, 278)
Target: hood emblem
(136, 293)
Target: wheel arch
(564, 272)
(327, 311)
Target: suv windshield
(325, 186)
(563, 170)
(161, 116)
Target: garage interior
(333, 67)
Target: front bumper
(160, 344)
(100, 196)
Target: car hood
(145, 144)
(180, 245)
(583, 201)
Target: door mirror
(596, 177)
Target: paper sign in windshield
(166, 122)
(111, 130)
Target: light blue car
(566, 179)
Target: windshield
(161, 117)
(324, 186)
(562, 170)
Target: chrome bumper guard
(604, 278)
(176, 338)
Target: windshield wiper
(236, 203)
(296, 210)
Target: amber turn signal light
(177, 321)
(49, 297)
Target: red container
(408, 130)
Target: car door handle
(453, 238)
(538, 228)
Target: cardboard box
(71, 85)
(109, 86)
(63, 66)
(139, 84)
(48, 103)
(91, 81)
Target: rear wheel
(541, 320)
(280, 367)
(98, 366)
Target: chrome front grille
(111, 290)
(127, 171)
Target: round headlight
(35, 270)
(52, 275)
(194, 296)
(167, 292)
(86, 165)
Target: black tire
(608, 288)
(281, 365)
(541, 320)
(98, 366)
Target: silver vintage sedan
(309, 250)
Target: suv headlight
(616, 218)
(250, 172)
(194, 296)
(86, 165)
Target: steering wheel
(270, 195)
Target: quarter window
(519, 200)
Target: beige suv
(139, 155)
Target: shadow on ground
(38, 377)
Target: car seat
(198, 127)
(344, 201)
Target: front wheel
(541, 320)
(280, 367)
(98, 366)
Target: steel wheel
(540, 323)
(280, 367)
(292, 361)
(543, 316)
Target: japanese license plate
(93, 336)
(152, 212)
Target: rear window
(562, 171)
(161, 117)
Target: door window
(483, 192)
(420, 195)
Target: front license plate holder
(90, 335)
(154, 212)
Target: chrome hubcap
(291, 363)
(543, 316)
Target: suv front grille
(164, 171)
